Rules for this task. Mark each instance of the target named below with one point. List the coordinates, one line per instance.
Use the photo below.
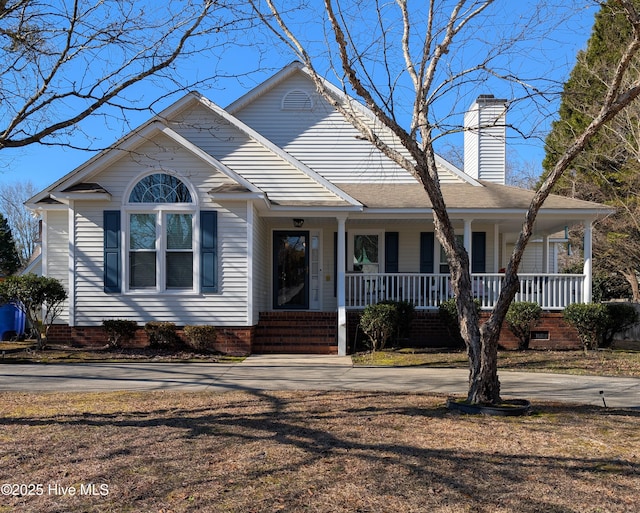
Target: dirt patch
(318, 452)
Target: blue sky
(43, 165)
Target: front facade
(276, 204)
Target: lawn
(311, 452)
(605, 362)
(24, 352)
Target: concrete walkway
(295, 372)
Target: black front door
(290, 269)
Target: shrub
(119, 330)
(406, 313)
(620, 317)
(162, 334)
(521, 317)
(200, 338)
(590, 320)
(448, 312)
(379, 322)
(38, 295)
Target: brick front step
(296, 332)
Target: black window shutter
(426, 252)
(209, 251)
(391, 250)
(478, 252)
(112, 257)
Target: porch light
(297, 222)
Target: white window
(367, 252)
(444, 264)
(161, 235)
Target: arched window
(161, 236)
(160, 188)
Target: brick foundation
(235, 341)
(428, 331)
(316, 333)
(229, 340)
(560, 334)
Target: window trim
(351, 247)
(161, 252)
(161, 210)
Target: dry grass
(603, 362)
(313, 452)
(600, 363)
(24, 352)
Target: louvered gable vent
(297, 100)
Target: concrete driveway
(294, 372)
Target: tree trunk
(631, 276)
(484, 385)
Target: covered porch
(341, 260)
(428, 291)
(361, 283)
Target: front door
(291, 269)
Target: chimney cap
(489, 98)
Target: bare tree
(607, 171)
(62, 61)
(24, 224)
(431, 40)
(519, 173)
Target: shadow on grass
(282, 445)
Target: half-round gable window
(160, 188)
(297, 100)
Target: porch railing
(550, 291)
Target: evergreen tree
(608, 170)
(9, 259)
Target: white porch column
(496, 248)
(545, 254)
(341, 266)
(588, 264)
(467, 240)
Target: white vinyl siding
(163, 155)
(484, 144)
(228, 308)
(532, 261)
(56, 253)
(322, 139)
(260, 266)
(279, 179)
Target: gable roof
(74, 181)
(297, 67)
(468, 195)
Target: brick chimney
(485, 139)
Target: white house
(273, 218)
